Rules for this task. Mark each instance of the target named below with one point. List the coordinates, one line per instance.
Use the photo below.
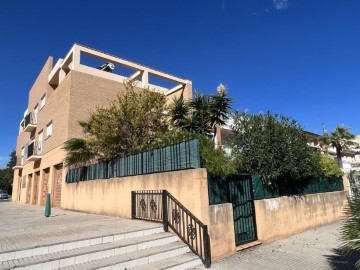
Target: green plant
(351, 228)
(328, 167)
(203, 113)
(131, 123)
(220, 108)
(215, 160)
(78, 152)
(7, 173)
(272, 146)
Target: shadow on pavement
(343, 258)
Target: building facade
(63, 94)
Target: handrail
(34, 148)
(161, 206)
(30, 118)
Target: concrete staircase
(144, 249)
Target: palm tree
(351, 227)
(78, 153)
(339, 138)
(200, 113)
(203, 113)
(220, 108)
(179, 110)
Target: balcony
(19, 162)
(30, 122)
(34, 151)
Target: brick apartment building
(62, 95)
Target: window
(40, 142)
(22, 156)
(43, 99)
(49, 130)
(36, 111)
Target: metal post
(133, 204)
(207, 249)
(48, 206)
(165, 211)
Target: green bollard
(48, 206)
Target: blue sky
(296, 57)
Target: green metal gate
(242, 198)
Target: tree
(7, 174)
(131, 123)
(220, 108)
(203, 113)
(179, 111)
(199, 118)
(272, 146)
(78, 152)
(339, 138)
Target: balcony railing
(34, 151)
(19, 162)
(30, 122)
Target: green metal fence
(318, 185)
(180, 156)
(219, 188)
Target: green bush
(328, 167)
(215, 160)
(272, 146)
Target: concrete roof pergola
(140, 77)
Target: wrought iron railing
(161, 206)
(19, 161)
(35, 148)
(30, 118)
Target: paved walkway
(319, 248)
(24, 226)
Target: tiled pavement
(318, 248)
(26, 227)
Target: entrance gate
(242, 198)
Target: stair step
(85, 254)
(79, 243)
(140, 257)
(181, 262)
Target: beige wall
(39, 88)
(113, 196)
(48, 161)
(89, 92)
(221, 230)
(280, 217)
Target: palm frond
(78, 153)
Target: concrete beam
(135, 75)
(109, 58)
(145, 79)
(175, 89)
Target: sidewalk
(318, 248)
(24, 226)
